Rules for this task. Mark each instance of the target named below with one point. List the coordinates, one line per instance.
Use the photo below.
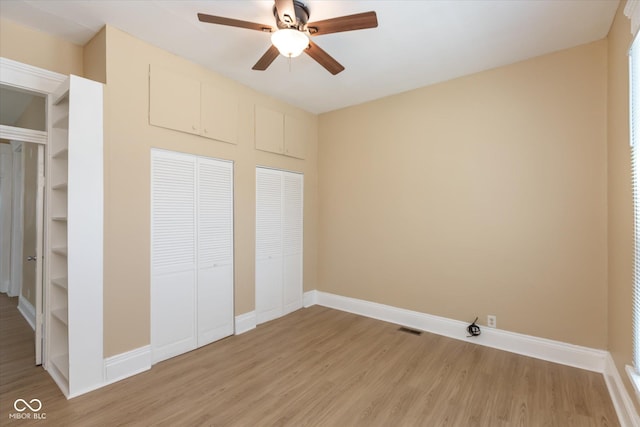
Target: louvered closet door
(292, 237)
(173, 254)
(279, 214)
(269, 245)
(191, 252)
(215, 250)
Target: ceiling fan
(291, 35)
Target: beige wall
(481, 195)
(128, 140)
(36, 48)
(94, 57)
(620, 199)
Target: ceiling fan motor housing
(299, 21)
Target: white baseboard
(28, 312)
(310, 298)
(127, 364)
(245, 322)
(540, 348)
(625, 408)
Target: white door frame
(6, 216)
(26, 77)
(15, 287)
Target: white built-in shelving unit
(74, 249)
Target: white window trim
(632, 11)
(635, 380)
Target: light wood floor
(316, 367)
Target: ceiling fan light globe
(289, 42)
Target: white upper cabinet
(174, 101)
(281, 133)
(188, 105)
(219, 112)
(269, 130)
(296, 133)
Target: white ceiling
(417, 43)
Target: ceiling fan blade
(220, 20)
(286, 11)
(359, 21)
(266, 59)
(323, 58)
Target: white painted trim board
(540, 348)
(17, 74)
(127, 364)
(28, 312)
(245, 322)
(622, 402)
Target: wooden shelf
(60, 251)
(61, 363)
(62, 314)
(61, 282)
(61, 186)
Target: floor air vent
(409, 330)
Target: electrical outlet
(491, 321)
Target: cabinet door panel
(297, 131)
(219, 113)
(174, 101)
(269, 130)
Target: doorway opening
(21, 215)
(24, 99)
(22, 113)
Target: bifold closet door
(191, 252)
(292, 238)
(279, 207)
(269, 244)
(215, 250)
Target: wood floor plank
(316, 367)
